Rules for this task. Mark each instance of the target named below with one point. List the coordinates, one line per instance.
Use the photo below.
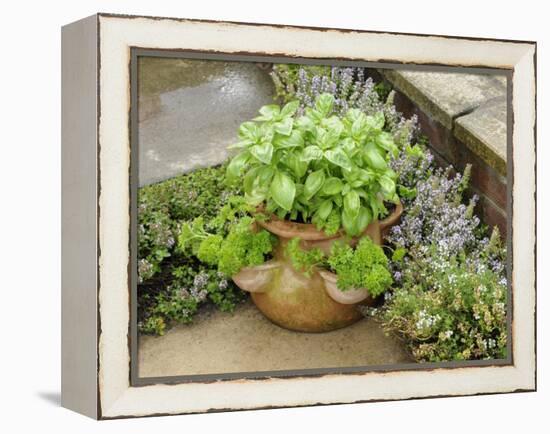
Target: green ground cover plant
(174, 284)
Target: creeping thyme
(173, 284)
(163, 206)
(448, 311)
(449, 302)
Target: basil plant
(321, 168)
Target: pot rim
(268, 265)
(309, 232)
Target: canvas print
(294, 217)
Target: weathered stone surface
(446, 95)
(190, 111)
(484, 131)
(246, 341)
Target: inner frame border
(133, 335)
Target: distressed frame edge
(79, 217)
(530, 385)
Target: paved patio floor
(246, 341)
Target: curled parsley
(366, 266)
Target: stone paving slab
(190, 111)
(246, 341)
(484, 131)
(472, 107)
(446, 95)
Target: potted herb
(351, 274)
(320, 178)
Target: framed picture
(261, 216)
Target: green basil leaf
(283, 190)
(248, 130)
(333, 124)
(265, 132)
(362, 193)
(241, 144)
(406, 193)
(313, 183)
(373, 158)
(363, 219)
(352, 203)
(414, 151)
(263, 152)
(290, 108)
(339, 158)
(351, 175)
(359, 126)
(324, 210)
(376, 122)
(349, 145)
(306, 124)
(374, 206)
(352, 115)
(387, 184)
(324, 103)
(365, 175)
(311, 153)
(332, 186)
(314, 115)
(295, 139)
(350, 223)
(236, 166)
(256, 196)
(265, 174)
(326, 138)
(284, 127)
(256, 182)
(250, 179)
(297, 166)
(346, 189)
(385, 141)
(270, 112)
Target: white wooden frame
(96, 219)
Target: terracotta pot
(299, 302)
(351, 296)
